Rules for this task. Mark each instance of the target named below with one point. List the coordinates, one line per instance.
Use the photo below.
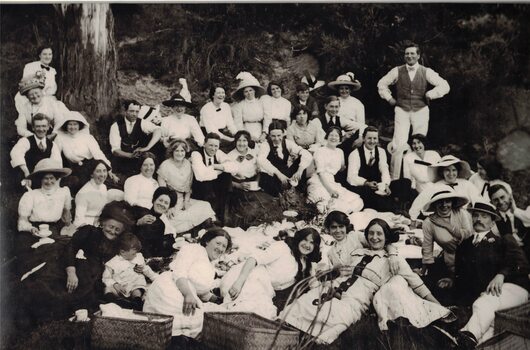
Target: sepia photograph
(262, 176)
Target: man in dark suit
(490, 270)
(513, 220)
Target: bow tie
(45, 67)
(247, 157)
(411, 68)
(453, 185)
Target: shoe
(466, 340)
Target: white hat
(445, 192)
(345, 79)
(48, 165)
(74, 116)
(445, 161)
(245, 80)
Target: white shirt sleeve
(200, 170)
(264, 164)
(114, 137)
(148, 127)
(383, 84)
(22, 126)
(196, 131)
(237, 113)
(96, 151)
(441, 86)
(230, 166)
(185, 259)
(383, 167)
(305, 156)
(354, 164)
(130, 191)
(18, 152)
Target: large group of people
(215, 170)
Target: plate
(290, 213)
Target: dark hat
(119, 211)
(485, 208)
(177, 100)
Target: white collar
(368, 151)
(39, 140)
(413, 67)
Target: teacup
(381, 187)
(44, 230)
(81, 315)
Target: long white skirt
(347, 202)
(194, 215)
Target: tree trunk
(88, 59)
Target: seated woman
(282, 162)
(322, 188)
(176, 173)
(307, 134)
(247, 204)
(216, 116)
(78, 146)
(488, 173)
(275, 106)
(416, 163)
(138, 189)
(64, 285)
(451, 171)
(50, 205)
(327, 311)
(42, 66)
(248, 109)
(263, 283)
(37, 102)
(181, 291)
(179, 125)
(448, 225)
(93, 196)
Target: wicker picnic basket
(246, 331)
(120, 333)
(515, 320)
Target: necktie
(485, 188)
(209, 161)
(41, 146)
(45, 67)
(331, 121)
(508, 223)
(372, 159)
(278, 151)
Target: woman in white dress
(306, 133)
(322, 188)
(248, 110)
(139, 189)
(176, 173)
(263, 283)
(182, 291)
(79, 147)
(216, 116)
(329, 309)
(275, 106)
(179, 125)
(416, 163)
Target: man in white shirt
(281, 162)
(368, 173)
(412, 100)
(212, 171)
(28, 151)
(131, 136)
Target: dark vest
(277, 161)
(326, 125)
(34, 154)
(203, 155)
(137, 138)
(411, 94)
(370, 173)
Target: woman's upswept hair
(391, 236)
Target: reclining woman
(327, 311)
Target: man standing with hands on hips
(411, 101)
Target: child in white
(125, 273)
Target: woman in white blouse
(78, 146)
(305, 133)
(489, 172)
(93, 196)
(176, 173)
(179, 125)
(322, 189)
(416, 163)
(182, 291)
(139, 189)
(216, 116)
(40, 67)
(248, 110)
(275, 106)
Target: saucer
(73, 319)
(380, 193)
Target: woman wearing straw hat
(350, 107)
(248, 110)
(79, 147)
(179, 125)
(37, 102)
(449, 170)
(448, 225)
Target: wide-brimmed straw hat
(445, 192)
(485, 207)
(177, 100)
(49, 166)
(312, 81)
(245, 80)
(445, 161)
(345, 79)
(34, 82)
(74, 116)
